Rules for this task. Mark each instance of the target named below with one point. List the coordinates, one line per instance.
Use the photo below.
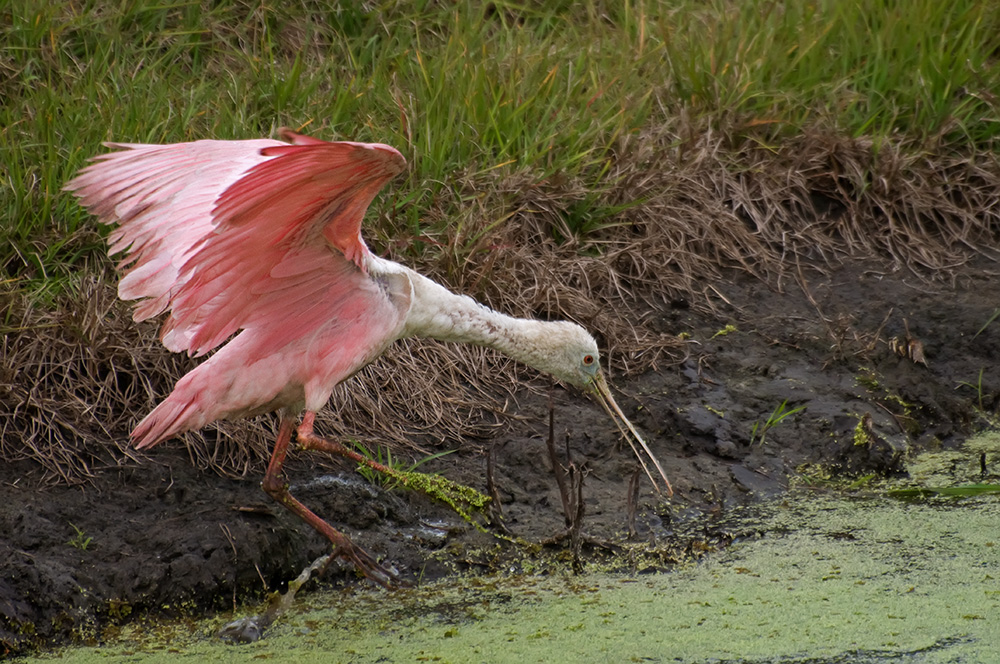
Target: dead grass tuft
(69, 380)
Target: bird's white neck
(440, 314)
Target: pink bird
(261, 239)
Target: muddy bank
(883, 364)
(828, 580)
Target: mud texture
(884, 365)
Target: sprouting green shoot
(964, 490)
(993, 317)
(759, 431)
(384, 457)
(80, 539)
(977, 386)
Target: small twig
(837, 339)
(569, 478)
(571, 508)
(491, 487)
(632, 501)
(878, 332)
(575, 530)
(236, 557)
(584, 539)
(895, 417)
(557, 468)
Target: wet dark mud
(882, 364)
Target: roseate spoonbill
(261, 239)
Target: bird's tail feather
(168, 419)
(225, 386)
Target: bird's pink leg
(307, 440)
(343, 547)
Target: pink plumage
(259, 238)
(254, 248)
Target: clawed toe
(367, 565)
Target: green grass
(384, 457)
(961, 491)
(468, 91)
(463, 499)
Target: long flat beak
(602, 393)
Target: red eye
(588, 360)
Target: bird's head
(575, 359)
(568, 352)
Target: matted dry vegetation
(688, 205)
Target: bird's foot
(277, 488)
(307, 440)
(251, 628)
(343, 547)
(388, 578)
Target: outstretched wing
(231, 235)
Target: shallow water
(831, 579)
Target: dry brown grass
(69, 378)
(76, 378)
(711, 203)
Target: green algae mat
(829, 578)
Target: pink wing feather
(162, 197)
(212, 228)
(260, 236)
